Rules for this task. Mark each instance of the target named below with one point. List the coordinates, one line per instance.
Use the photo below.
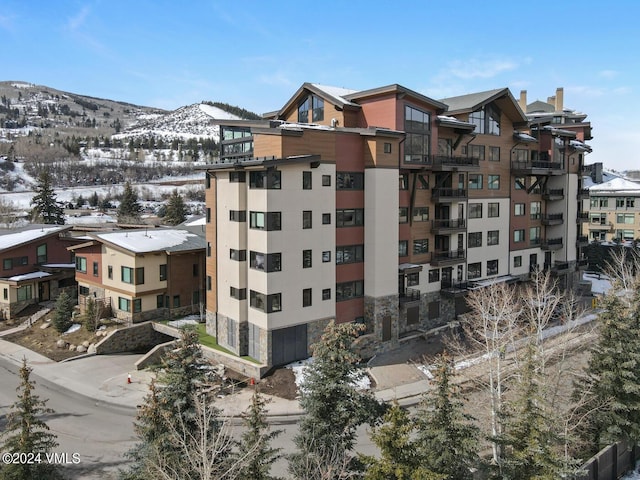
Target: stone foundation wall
(133, 338)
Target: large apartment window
(631, 202)
(518, 236)
(492, 267)
(317, 109)
(421, 214)
(95, 269)
(493, 209)
(474, 240)
(237, 255)
(265, 220)
(41, 253)
(403, 248)
(81, 264)
(493, 237)
(434, 275)
(349, 181)
(25, 292)
(475, 181)
(413, 279)
(238, 293)
(266, 303)
(517, 261)
(486, 120)
(126, 275)
(270, 262)
(476, 151)
(237, 177)
(349, 254)
(534, 235)
(518, 209)
(421, 246)
(474, 270)
(494, 154)
(306, 297)
(403, 215)
(536, 210)
(628, 218)
(306, 219)
(417, 145)
(237, 215)
(493, 182)
(353, 217)
(306, 180)
(349, 290)
(307, 259)
(269, 179)
(124, 304)
(326, 294)
(475, 210)
(521, 155)
(303, 111)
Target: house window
(349, 254)
(238, 293)
(306, 258)
(25, 292)
(628, 218)
(520, 183)
(413, 279)
(306, 219)
(493, 210)
(403, 248)
(518, 236)
(137, 305)
(5, 293)
(350, 217)
(209, 283)
(434, 275)
(326, 180)
(82, 290)
(349, 181)
(475, 181)
(7, 263)
(306, 180)
(517, 261)
(326, 294)
(271, 262)
(417, 145)
(475, 210)
(536, 210)
(631, 202)
(208, 249)
(494, 154)
(421, 214)
(265, 220)
(139, 275)
(349, 290)
(237, 177)
(41, 253)
(317, 109)
(237, 215)
(486, 120)
(176, 301)
(81, 264)
(195, 269)
(95, 269)
(326, 256)
(208, 215)
(474, 270)
(420, 246)
(387, 147)
(493, 182)
(326, 219)
(160, 301)
(493, 237)
(269, 179)
(306, 297)
(124, 304)
(619, 203)
(237, 255)
(476, 151)
(403, 214)
(492, 267)
(110, 272)
(518, 209)
(303, 111)
(474, 240)
(126, 275)
(266, 303)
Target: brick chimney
(559, 99)
(552, 101)
(523, 100)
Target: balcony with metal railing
(552, 244)
(583, 216)
(440, 194)
(553, 194)
(448, 225)
(583, 194)
(449, 162)
(454, 289)
(448, 258)
(536, 167)
(552, 219)
(411, 296)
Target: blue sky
(255, 54)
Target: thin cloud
(477, 68)
(6, 22)
(78, 20)
(608, 74)
(279, 79)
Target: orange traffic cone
(129, 378)
(252, 381)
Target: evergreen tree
(333, 407)
(91, 315)
(45, 206)
(62, 317)
(530, 444)
(171, 409)
(398, 458)
(129, 209)
(610, 390)
(94, 200)
(176, 210)
(27, 433)
(446, 439)
(256, 454)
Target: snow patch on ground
(73, 328)
(190, 320)
(299, 370)
(635, 475)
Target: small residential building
(614, 211)
(143, 274)
(36, 265)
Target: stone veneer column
(376, 309)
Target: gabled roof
(397, 89)
(154, 240)
(333, 95)
(539, 106)
(474, 101)
(10, 239)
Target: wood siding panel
(211, 234)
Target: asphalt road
(98, 433)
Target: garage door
(289, 344)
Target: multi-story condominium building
(143, 274)
(35, 266)
(381, 207)
(614, 211)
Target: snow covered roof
(154, 240)
(617, 186)
(524, 137)
(336, 92)
(29, 276)
(12, 238)
(588, 182)
(448, 121)
(196, 220)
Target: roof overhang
(406, 268)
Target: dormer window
(313, 104)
